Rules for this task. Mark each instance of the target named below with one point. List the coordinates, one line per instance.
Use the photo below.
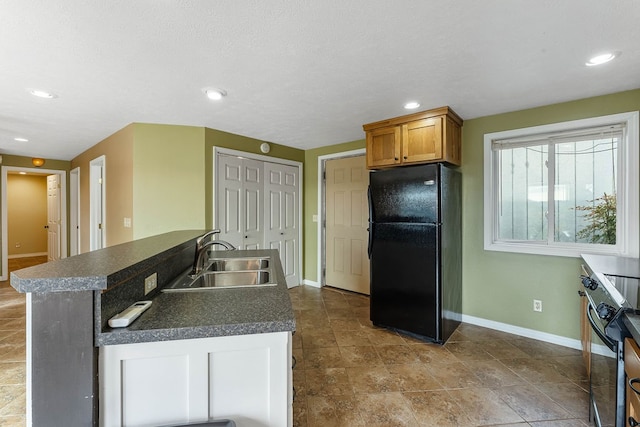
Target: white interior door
(347, 262)
(74, 214)
(253, 190)
(53, 217)
(281, 216)
(229, 199)
(239, 202)
(97, 204)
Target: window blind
(595, 133)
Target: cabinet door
(422, 140)
(632, 372)
(383, 147)
(246, 378)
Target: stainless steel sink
(223, 279)
(238, 264)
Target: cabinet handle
(405, 157)
(395, 158)
(633, 422)
(632, 383)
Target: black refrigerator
(415, 254)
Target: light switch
(127, 222)
(315, 218)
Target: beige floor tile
(327, 382)
(536, 370)
(413, 377)
(318, 358)
(397, 354)
(391, 409)
(351, 337)
(483, 407)
(338, 411)
(437, 409)
(531, 404)
(372, 379)
(356, 356)
(492, 373)
(454, 375)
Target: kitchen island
(193, 356)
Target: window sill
(553, 250)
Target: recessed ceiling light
(411, 105)
(22, 173)
(42, 93)
(21, 139)
(215, 94)
(602, 59)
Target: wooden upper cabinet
(429, 136)
(383, 146)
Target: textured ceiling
(302, 73)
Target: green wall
(168, 179)
(501, 286)
(310, 250)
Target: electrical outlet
(150, 283)
(537, 305)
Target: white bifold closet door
(257, 205)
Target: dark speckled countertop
(172, 316)
(99, 269)
(213, 312)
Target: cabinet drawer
(633, 406)
(631, 358)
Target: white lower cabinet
(246, 378)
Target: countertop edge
(172, 334)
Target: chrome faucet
(201, 239)
(203, 248)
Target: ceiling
(302, 73)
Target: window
(563, 189)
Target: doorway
(257, 205)
(97, 206)
(74, 211)
(61, 207)
(343, 221)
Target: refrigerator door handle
(370, 228)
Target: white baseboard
(523, 332)
(27, 255)
(311, 283)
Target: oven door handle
(605, 339)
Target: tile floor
(349, 373)
(12, 348)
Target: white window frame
(627, 239)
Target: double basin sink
(224, 273)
